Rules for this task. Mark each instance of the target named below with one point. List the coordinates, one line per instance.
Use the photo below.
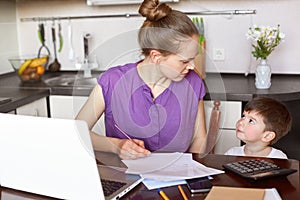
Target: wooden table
(288, 187)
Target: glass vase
(263, 75)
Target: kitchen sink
(4, 100)
(71, 81)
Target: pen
(123, 132)
(182, 192)
(162, 194)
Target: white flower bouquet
(266, 39)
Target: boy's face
(250, 128)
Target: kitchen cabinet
(230, 112)
(36, 108)
(67, 107)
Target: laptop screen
(52, 157)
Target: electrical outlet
(219, 54)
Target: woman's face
(177, 66)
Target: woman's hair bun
(153, 10)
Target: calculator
(257, 169)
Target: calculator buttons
(257, 169)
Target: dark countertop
(232, 87)
(237, 87)
(21, 94)
(19, 97)
(11, 80)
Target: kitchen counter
(237, 87)
(233, 87)
(21, 94)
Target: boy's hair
(275, 115)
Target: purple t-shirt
(165, 124)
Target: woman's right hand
(131, 149)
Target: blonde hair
(164, 29)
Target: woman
(158, 101)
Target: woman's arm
(91, 112)
(198, 143)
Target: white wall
(8, 34)
(114, 39)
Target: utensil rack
(128, 15)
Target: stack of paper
(165, 169)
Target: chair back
(213, 129)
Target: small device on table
(257, 169)
(196, 185)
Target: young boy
(263, 123)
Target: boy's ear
(269, 136)
(155, 56)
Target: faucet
(87, 71)
(86, 65)
(86, 38)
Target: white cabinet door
(230, 112)
(226, 139)
(67, 107)
(37, 108)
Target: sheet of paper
(153, 184)
(154, 162)
(181, 166)
(272, 194)
(182, 169)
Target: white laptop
(54, 157)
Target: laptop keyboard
(110, 187)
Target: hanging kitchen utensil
(55, 66)
(41, 35)
(71, 50)
(200, 59)
(61, 41)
